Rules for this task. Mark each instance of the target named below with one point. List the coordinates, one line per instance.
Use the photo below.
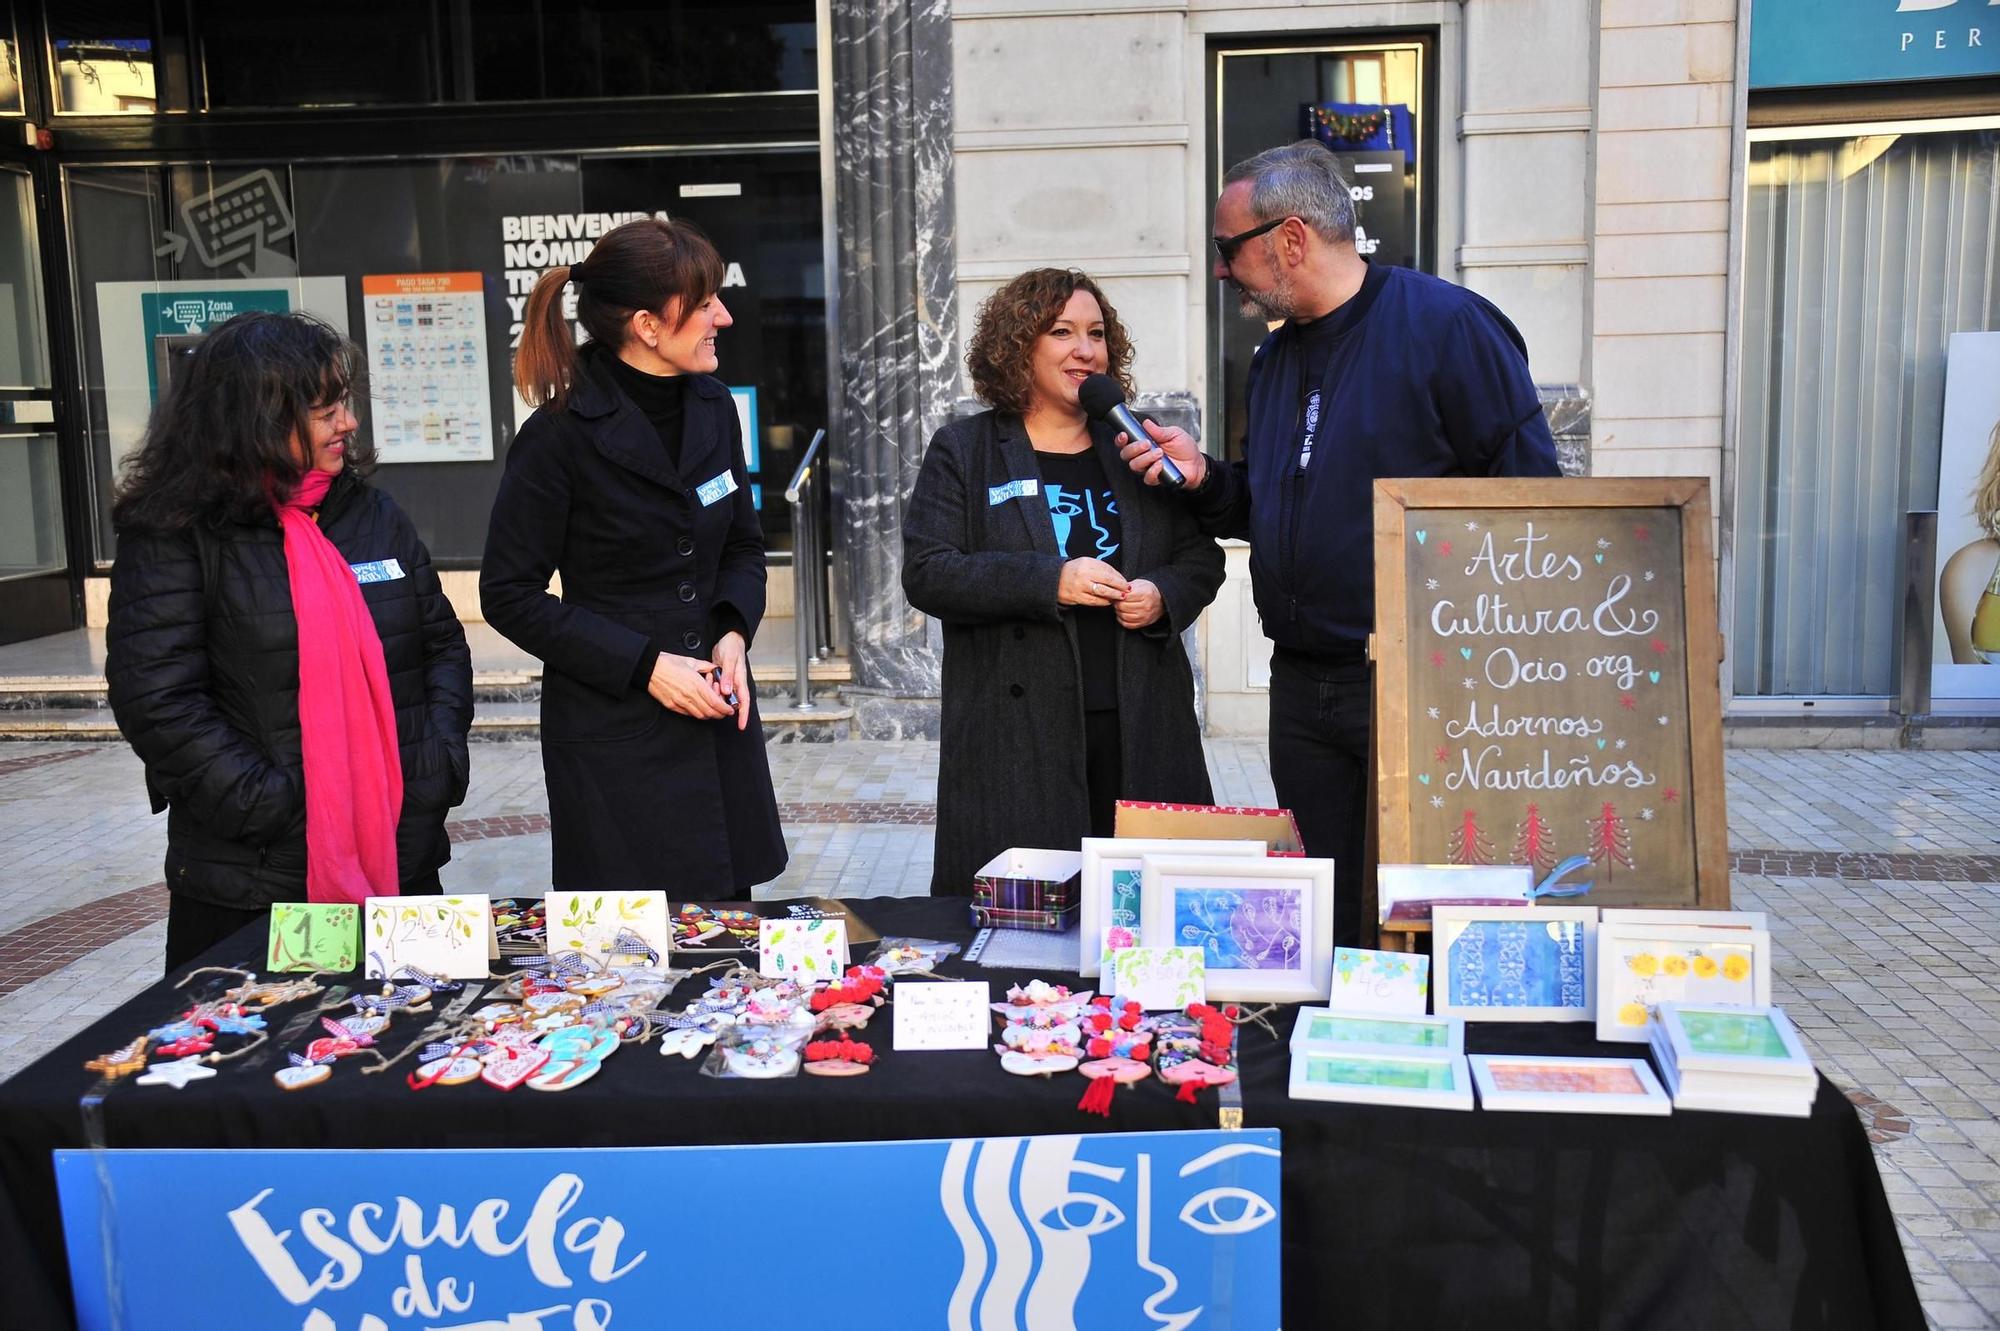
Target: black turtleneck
(659, 397)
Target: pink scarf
(347, 721)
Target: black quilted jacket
(202, 660)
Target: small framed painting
(1514, 963)
(1418, 1083)
(1730, 1039)
(1640, 966)
(1265, 926)
(1568, 1085)
(1111, 884)
(1376, 1034)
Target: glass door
(1366, 101)
(35, 590)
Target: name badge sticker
(721, 487)
(1000, 494)
(377, 570)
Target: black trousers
(1103, 769)
(193, 927)
(1321, 710)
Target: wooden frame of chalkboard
(1547, 671)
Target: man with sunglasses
(1372, 371)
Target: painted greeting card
(1640, 966)
(803, 950)
(314, 936)
(446, 936)
(1159, 978)
(1514, 963)
(1368, 981)
(614, 928)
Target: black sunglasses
(1226, 246)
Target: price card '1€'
(313, 936)
(942, 1014)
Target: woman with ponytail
(629, 482)
(279, 651)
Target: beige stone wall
(1660, 300)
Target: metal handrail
(806, 560)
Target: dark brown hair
(647, 264)
(219, 445)
(1014, 316)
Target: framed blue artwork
(1265, 926)
(1514, 963)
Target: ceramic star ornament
(177, 1073)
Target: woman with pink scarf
(279, 651)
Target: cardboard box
(1211, 822)
(1027, 888)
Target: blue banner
(1154, 1230)
(1816, 43)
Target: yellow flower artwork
(1736, 969)
(1675, 965)
(1704, 968)
(1632, 1014)
(1644, 963)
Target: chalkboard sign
(1547, 682)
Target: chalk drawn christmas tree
(1534, 843)
(1610, 840)
(1469, 845)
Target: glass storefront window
(427, 264)
(528, 50)
(31, 527)
(1862, 256)
(103, 56)
(24, 353)
(1366, 103)
(10, 63)
(256, 54)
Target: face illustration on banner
(1038, 1217)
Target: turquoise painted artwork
(1526, 963)
(1125, 898)
(1750, 1035)
(1329, 1028)
(1404, 1075)
(1242, 928)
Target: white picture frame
(1459, 988)
(1493, 1075)
(1321, 1030)
(1697, 965)
(1689, 1055)
(1719, 919)
(1105, 856)
(1276, 912)
(1413, 1083)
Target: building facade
(1724, 268)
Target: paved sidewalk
(1880, 871)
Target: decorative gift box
(1029, 889)
(1276, 828)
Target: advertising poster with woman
(1965, 654)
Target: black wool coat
(640, 798)
(202, 659)
(986, 566)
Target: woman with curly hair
(1063, 586)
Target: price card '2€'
(446, 936)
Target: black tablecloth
(1392, 1217)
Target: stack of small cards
(1743, 1060)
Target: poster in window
(1965, 651)
(427, 370)
(147, 328)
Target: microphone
(1102, 399)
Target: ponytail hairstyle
(647, 264)
(219, 447)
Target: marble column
(898, 321)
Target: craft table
(1392, 1217)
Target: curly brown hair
(1014, 316)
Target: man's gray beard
(1277, 303)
